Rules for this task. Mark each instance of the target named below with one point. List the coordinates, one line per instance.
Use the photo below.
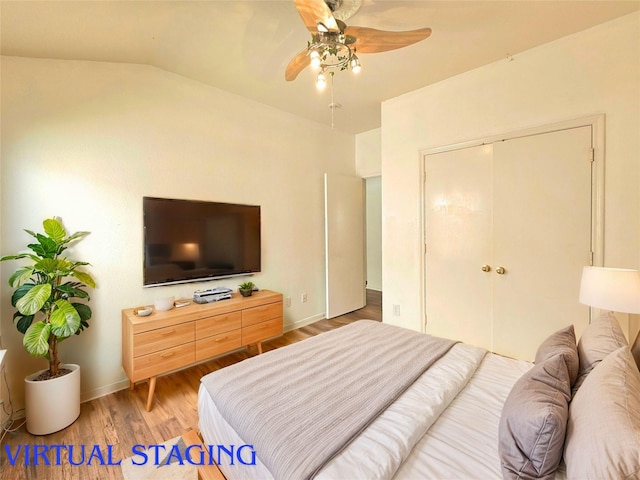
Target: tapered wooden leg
(131, 385)
(152, 388)
(259, 345)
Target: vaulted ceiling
(244, 46)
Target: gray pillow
(534, 420)
(561, 342)
(603, 432)
(601, 337)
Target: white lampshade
(615, 289)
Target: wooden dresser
(181, 337)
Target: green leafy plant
(246, 286)
(45, 292)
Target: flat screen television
(190, 240)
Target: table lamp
(615, 289)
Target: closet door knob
(486, 268)
(500, 271)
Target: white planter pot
(52, 405)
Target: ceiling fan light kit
(330, 50)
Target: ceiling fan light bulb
(355, 64)
(321, 81)
(315, 59)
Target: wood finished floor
(120, 419)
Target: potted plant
(46, 292)
(246, 289)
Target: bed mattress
(444, 426)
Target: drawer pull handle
(164, 334)
(220, 339)
(168, 354)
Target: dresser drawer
(207, 327)
(254, 315)
(164, 361)
(257, 333)
(163, 338)
(217, 344)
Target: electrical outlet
(287, 301)
(303, 298)
(396, 310)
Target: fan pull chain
(332, 106)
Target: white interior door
(542, 237)
(458, 206)
(344, 244)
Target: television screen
(188, 240)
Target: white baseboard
(287, 327)
(105, 390)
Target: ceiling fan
(334, 45)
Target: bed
(374, 401)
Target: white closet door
(520, 208)
(458, 225)
(344, 244)
(541, 237)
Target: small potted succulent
(246, 289)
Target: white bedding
(301, 405)
(457, 403)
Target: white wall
(591, 72)
(369, 167)
(86, 141)
(369, 153)
(373, 188)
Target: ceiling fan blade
(370, 40)
(314, 12)
(296, 65)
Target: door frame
(597, 124)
